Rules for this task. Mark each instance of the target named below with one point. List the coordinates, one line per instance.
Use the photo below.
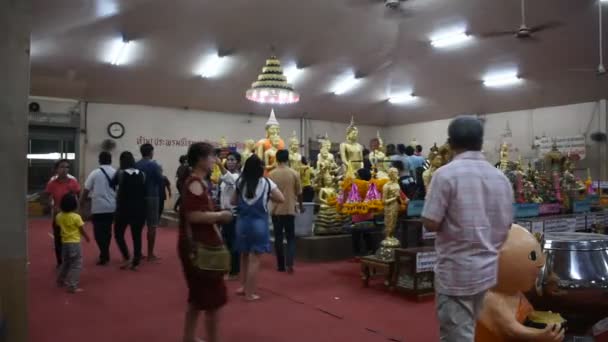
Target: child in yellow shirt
(72, 227)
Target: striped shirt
(473, 202)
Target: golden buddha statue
(295, 158)
(391, 197)
(272, 130)
(427, 175)
(325, 159)
(446, 153)
(270, 155)
(554, 159)
(328, 221)
(377, 156)
(248, 151)
(351, 151)
(223, 142)
(504, 157)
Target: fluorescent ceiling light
(105, 8)
(212, 65)
(451, 38)
(292, 73)
(51, 156)
(121, 50)
(402, 98)
(502, 79)
(345, 84)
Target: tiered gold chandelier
(271, 85)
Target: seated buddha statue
(325, 159)
(328, 221)
(351, 151)
(272, 130)
(270, 156)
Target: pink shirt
(473, 201)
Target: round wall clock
(116, 130)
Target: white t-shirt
(103, 197)
(260, 190)
(227, 189)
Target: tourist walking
(253, 233)
(154, 179)
(198, 233)
(230, 174)
(60, 185)
(130, 209)
(470, 208)
(284, 214)
(100, 189)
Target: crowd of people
(469, 206)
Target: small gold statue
(248, 151)
(328, 221)
(270, 160)
(391, 197)
(295, 158)
(504, 157)
(272, 130)
(351, 151)
(223, 142)
(554, 159)
(325, 159)
(378, 158)
(427, 175)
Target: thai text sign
(572, 145)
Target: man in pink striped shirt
(470, 206)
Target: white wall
(175, 124)
(525, 125)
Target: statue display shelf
(373, 266)
(413, 274)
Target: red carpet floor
(321, 302)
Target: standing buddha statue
(248, 151)
(391, 197)
(504, 157)
(272, 130)
(351, 151)
(377, 157)
(295, 158)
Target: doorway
(46, 145)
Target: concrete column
(15, 28)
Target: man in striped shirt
(470, 208)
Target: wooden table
(372, 266)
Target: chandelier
(271, 85)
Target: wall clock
(116, 130)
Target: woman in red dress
(207, 291)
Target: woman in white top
(253, 235)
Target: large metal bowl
(574, 280)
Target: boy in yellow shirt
(72, 227)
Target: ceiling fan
(601, 68)
(524, 31)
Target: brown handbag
(210, 258)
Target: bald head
(465, 133)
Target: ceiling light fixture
(502, 79)
(120, 52)
(271, 85)
(402, 98)
(345, 83)
(212, 65)
(450, 38)
(292, 73)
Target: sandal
(252, 298)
